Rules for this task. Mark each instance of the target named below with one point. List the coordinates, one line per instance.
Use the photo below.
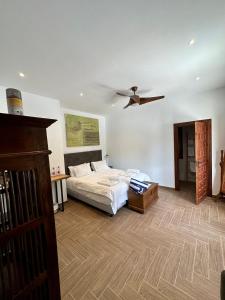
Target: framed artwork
(81, 131)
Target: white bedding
(99, 201)
(95, 183)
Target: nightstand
(55, 179)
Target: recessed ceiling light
(192, 42)
(21, 74)
(81, 94)
(197, 78)
(113, 105)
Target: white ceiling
(66, 47)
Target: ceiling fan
(137, 100)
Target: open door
(203, 159)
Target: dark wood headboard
(74, 159)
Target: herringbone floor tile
(176, 250)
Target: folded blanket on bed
(108, 182)
(112, 178)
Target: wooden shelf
(59, 177)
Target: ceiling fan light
(192, 42)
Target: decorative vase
(14, 101)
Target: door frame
(176, 126)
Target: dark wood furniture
(55, 179)
(28, 251)
(222, 178)
(74, 159)
(141, 202)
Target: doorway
(186, 161)
(193, 158)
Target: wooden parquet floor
(174, 251)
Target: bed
(93, 188)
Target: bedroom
(72, 59)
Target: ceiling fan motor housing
(134, 89)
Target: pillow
(80, 170)
(99, 165)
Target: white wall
(38, 106)
(142, 137)
(102, 132)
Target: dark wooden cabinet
(28, 251)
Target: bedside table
(55, 179)
(141, 202)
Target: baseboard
(219, 196)
(167, 187)
(215, 196)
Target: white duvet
(110, 183)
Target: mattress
(98, 201)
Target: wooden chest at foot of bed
(141, 202)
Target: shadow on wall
(218, 140)
(218, 144)
(217, 174)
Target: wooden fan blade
(135, 98)
(126, 105)
(121, 94)
(150, 99)
(131, 102)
